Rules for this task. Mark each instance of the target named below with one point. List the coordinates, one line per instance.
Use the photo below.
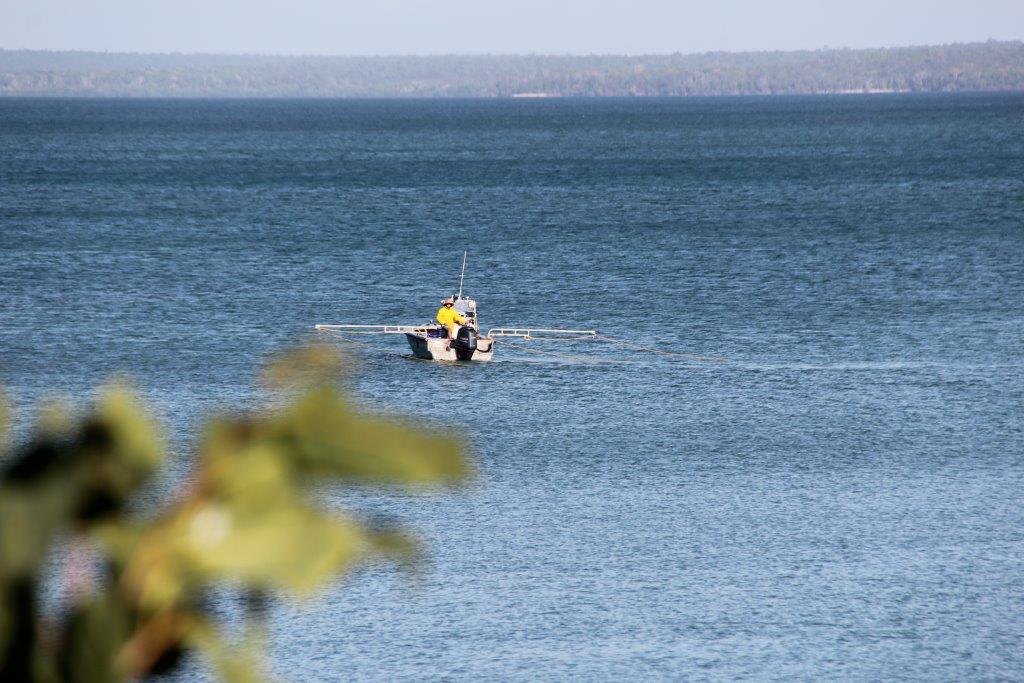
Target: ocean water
(839, 494)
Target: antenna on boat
(463, 276)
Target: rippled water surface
(841, 496)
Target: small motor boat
(433, 342)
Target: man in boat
(448, 317)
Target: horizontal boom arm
(527, 332)
(377, 329)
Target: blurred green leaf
(289, 547)
(120, 539)
(329, 439)
(136, 442)
(307, 366)
(155, 576)
(97, 631)
(155, 644)
(398, 546)
(5, 417)
(256, 476)
(30, 517)
(245, 520)
(55, 419)
(234, 663)
(7, 624)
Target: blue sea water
(840, 497)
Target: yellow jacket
(449, 317)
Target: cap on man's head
(447, 301)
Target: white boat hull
(436, 348)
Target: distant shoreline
(964, 67)
(469, 98)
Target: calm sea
(841, 498)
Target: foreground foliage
(246, 518)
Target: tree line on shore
(962, 67)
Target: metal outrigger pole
(463, 276)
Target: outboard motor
(465, 342)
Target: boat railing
(494, 332)
(532, 332)
(377, 329)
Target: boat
(434, 341)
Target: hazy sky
(488, 26)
